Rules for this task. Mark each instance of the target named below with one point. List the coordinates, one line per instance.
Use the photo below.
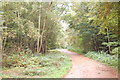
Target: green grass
(77, 50)
(111, 60)
(51, 65)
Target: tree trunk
(108, 40)
(38, 40)
(0, 45)
(42, 35)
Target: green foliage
(25, 26)
(17, 59)
(110, 43)
(77, 50)
(34, 28)
(95, 25)
(116, 51)
(111, 60)
(51, 65)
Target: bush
(49, 65)
(116, 50)
(111, 60)
(53, 64)
(77, 50)
(16, 59)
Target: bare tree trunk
(42, 34)
(1, 47)
(42, 37)
(4, 42)
(18, 36)
(108, 39)
(38, 40)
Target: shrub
(111, 60)
(16, 59)
(116, 50)
(77, 50)
(53, 64)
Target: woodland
(31, 33)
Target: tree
(95, 24)
(32, 26)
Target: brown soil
(84, 67)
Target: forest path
(84, 67)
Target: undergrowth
(111, 60)
(77, 50)
(50, 65)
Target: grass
(111, 60)
(77, 50)
(51, 65)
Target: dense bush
(111, 60)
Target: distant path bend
(84, 67)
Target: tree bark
(42, 35)
(1, 44)
(38, 40)
(108, 40)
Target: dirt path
(83, 67)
